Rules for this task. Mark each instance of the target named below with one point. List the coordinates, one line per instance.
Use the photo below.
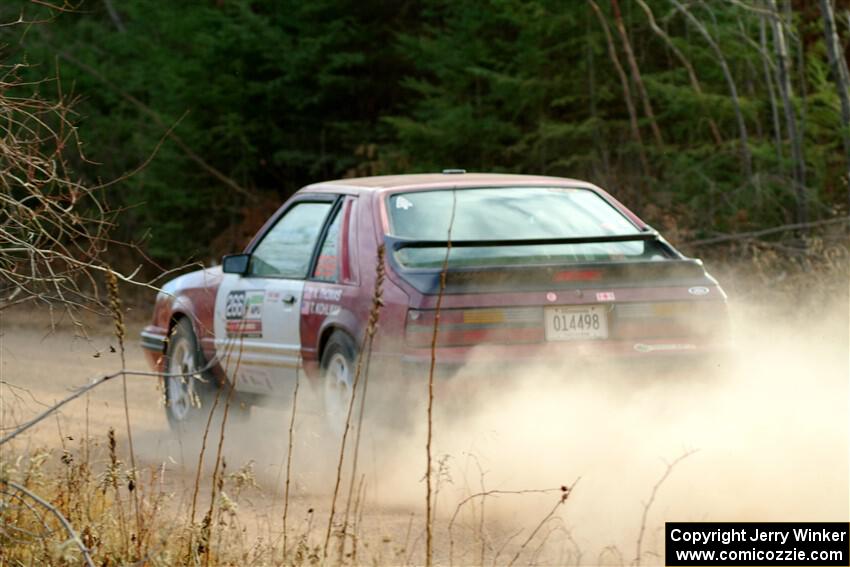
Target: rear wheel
(388, 407)
(189, 392)
(339, 364)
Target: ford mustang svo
(522, 267)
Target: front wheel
(189, 392)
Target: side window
(327, 266)
(286, 249)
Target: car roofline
(380, 186)
(448, 181)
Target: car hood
(204, 278)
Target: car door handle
(289, 299)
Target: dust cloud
(764, 436)
(759, 436)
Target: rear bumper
(662, 353)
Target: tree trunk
(636, 76)
(839, 75)
(786, 93)
(746, 157)
(624, 81)
(801, 78)
(113, 15)
(768, 79)
(601, 148)
(692, 76)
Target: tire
(338, 365)
(189, 397)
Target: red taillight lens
(466, 327)
(671, 319)
(577, 276)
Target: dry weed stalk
(364, 354)
(120, 332)
(565, 494)
(648, 504)
(110, 479)
(371, 329)
(505, 543)
(197, 484)
(429, 520)
(358, 517)
(228, 349)
(206, 533)
(483, 495)
(290, 444)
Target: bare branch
(88, 387)
(651, 500)
(62, 519)
(767, 231)
(190, 153)
(566, 491)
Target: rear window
(516, 213)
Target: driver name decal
(321, 301)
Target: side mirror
(235, 264)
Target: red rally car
(536, 267)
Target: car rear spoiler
(395, 243)
(676, 270)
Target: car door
(331, 291)
(257, 314)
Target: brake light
(668, 319)
(577, 276)
(466, 327)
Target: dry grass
(774, 272)
(96, 497)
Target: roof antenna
(453, 171)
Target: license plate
(576, 323)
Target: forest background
(178, 126)
(707, 117)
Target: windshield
(512, 213)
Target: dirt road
(768, 441)
(41, 365)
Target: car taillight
(465, 327)
(669, 319)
